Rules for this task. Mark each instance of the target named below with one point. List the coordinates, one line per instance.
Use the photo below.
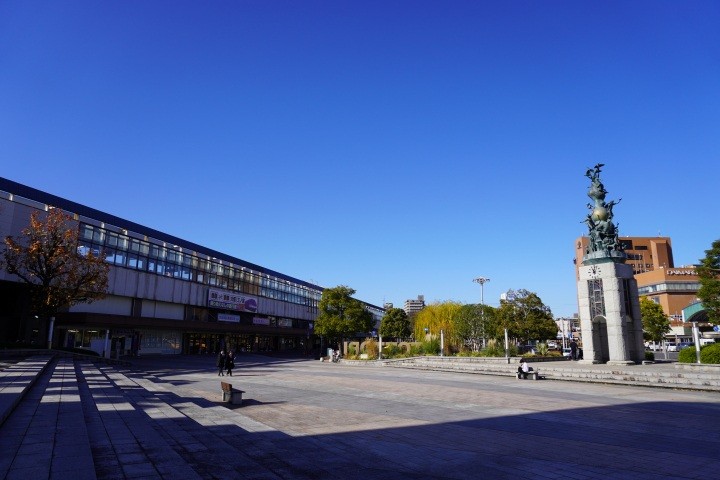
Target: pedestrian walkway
(162, 418)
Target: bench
(231, 395)
(532, 375)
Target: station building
(165, 295)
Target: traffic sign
(716, 328)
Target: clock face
(594, 271)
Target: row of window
(124, 251)
(690, 287)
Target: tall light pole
(482, 281)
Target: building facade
(412, 307)
(165, 295)
(644, 254)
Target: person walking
(230, 362)
(573, 350)
(221, 358)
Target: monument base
(620, 362)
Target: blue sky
(397, 147)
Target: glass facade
(122, 250)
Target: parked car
(671, 347)
(682, 345)
(552, 344)
(567, 353)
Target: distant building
(414, 306)
(672, 288)
(644, 254)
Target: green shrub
(351, 351)
(649, 355)
(710, 354)
(432, 346)
(392, 351)
(416, 350)
(542, 349)
(494, 349)
(686, 355)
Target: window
(596, 298)
(124, 251)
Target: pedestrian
(573, 350)
(230, 362)
(221, 363)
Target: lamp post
(482, 281)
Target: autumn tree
(655, 323)
(46, 257)
(709, 273)
(526, 317)
(435, 318)
(341, 316)
(395, 324)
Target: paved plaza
(303, 419)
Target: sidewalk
(301, 419)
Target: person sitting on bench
(523, 369)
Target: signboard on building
(231, 300)
(681, 272)
(261, 321)
(226, 317)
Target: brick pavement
(302, 419)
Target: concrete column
(622, 336)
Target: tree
(655, 323)
(473, 323)
(47, 259)
(341, 315)
(395, 324)
(525, 317)
(435, 318)
(709, 273)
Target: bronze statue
(603, 232)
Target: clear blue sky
(397, 147)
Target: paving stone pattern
(162, 418)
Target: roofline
(30, 193)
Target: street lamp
(482, 281)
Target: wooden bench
(231, 395)
(532, 375)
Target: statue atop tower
(604, 245)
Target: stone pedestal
(609, 309)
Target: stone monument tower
(607, 291)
